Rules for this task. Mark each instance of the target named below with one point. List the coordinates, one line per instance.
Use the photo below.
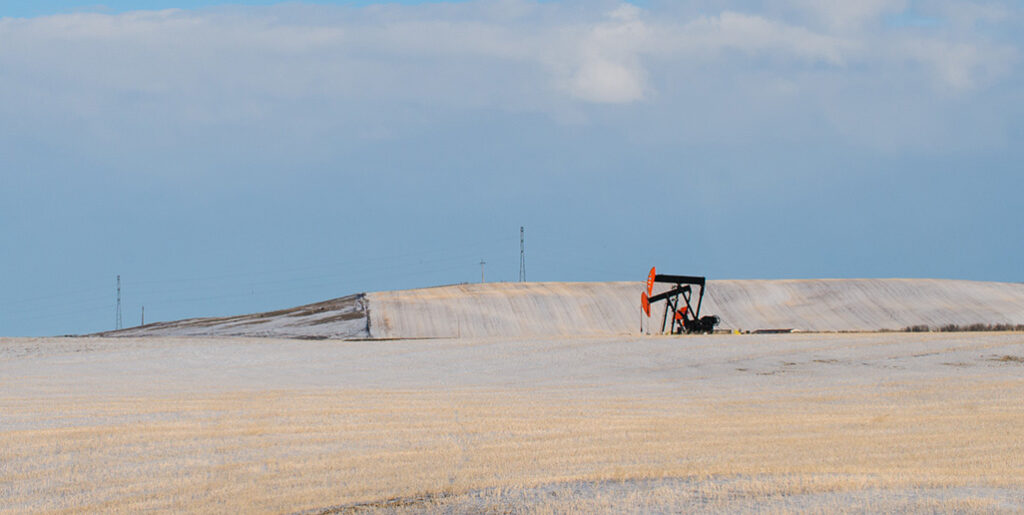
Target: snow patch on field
(689, 495)
(587, 309)
(557, 309)
(340, 318)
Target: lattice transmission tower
(522, 254)
(117, 323)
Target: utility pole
(482, 263)
(117, 323)
(143, 316)
(522, 254)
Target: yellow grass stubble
(292, 450)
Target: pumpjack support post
(679, 305)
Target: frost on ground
(558, 309)
(613, 308)
(696, 495)
(344, 317)
(800, 422)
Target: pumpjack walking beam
(689, 319)
(672, 296)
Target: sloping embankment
(565, 309)
(506, 309)
(337, 318)
(613, 308)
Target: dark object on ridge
(685, 318)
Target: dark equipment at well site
(685, 317)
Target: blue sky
(31, 8)
(235, 158)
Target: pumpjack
(685, 317)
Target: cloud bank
(885, 75)
(799, 138)
(602, 55)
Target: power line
(368, 269)
(62, 315)
(263, 293)
(365, 266)
(375, 260)
(117, 324)
(522, 254)
(356, 272)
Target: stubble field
(800, 422)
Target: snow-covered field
(567, 309)
(821, 422)
(530, 310)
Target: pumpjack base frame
(684, 320)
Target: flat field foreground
(747, 423)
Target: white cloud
(375, 70)
(601, 62)
(959, 66)
(849, 15)
(967, 15)
(603, 80)
(759, 36)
